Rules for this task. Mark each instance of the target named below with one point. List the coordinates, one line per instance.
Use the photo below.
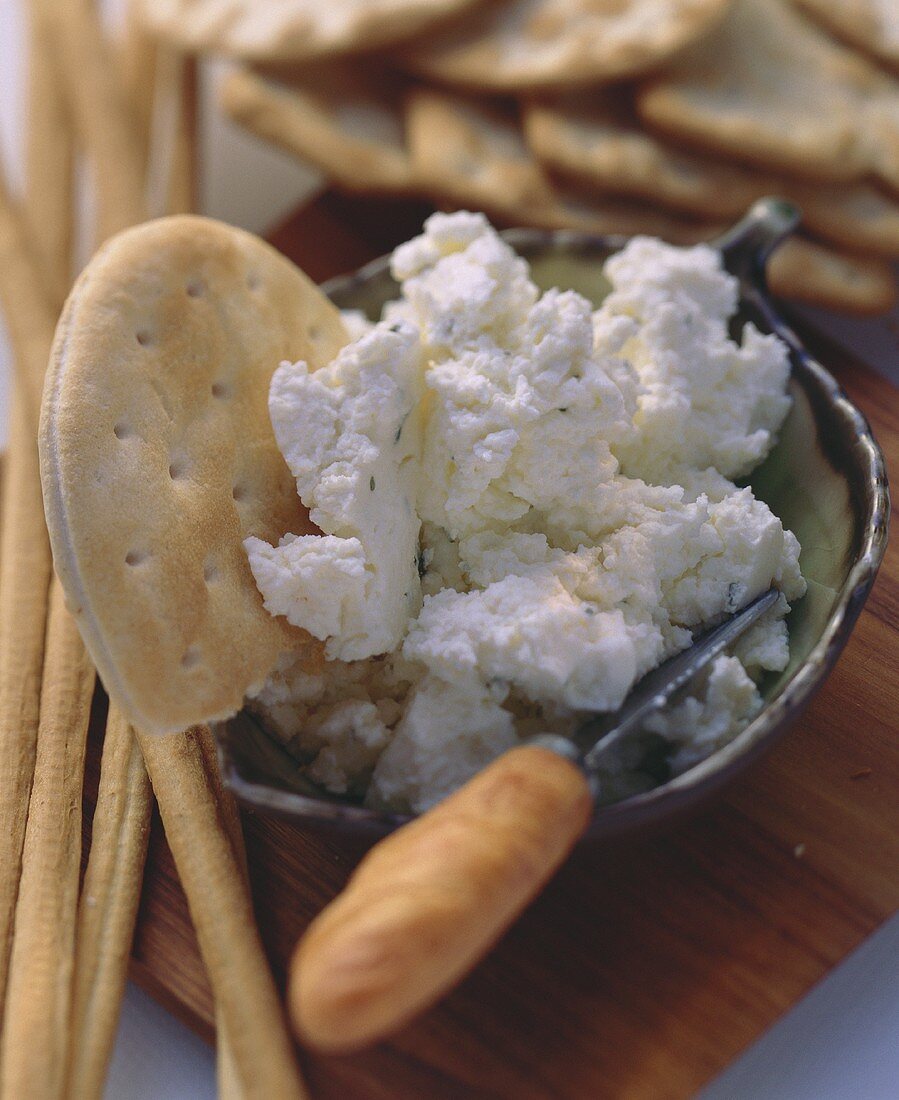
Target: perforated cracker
(872, 25)
(598, 138)
(345, 119)
(768, 86)
(299, 30)
(806, 271)
(468, 154)
(158, 459)
(516, 44)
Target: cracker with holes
(470, 154)
(770, 87)
(516, 44)
(158, 459)
(346, 120)
(599, 139)
(806, 271)
(299, 30)
(872, 25)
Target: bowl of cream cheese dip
(544, 461)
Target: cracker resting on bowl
(768, 86)
(269, 30)
(514, 44)
(158, 459)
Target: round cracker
(158, 459)
(515, 44)
(599, 139)
(269, 30)
(807, 271)
(769, 87)
(872, 25)
(473, 155)
(344, 119)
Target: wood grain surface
(646, 966)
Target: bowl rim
(745, 248)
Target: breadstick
(108, 907)
(38, 1002)
(30, 319)
(49, 155)
(25, 572)
(137, 71)
(229, 1083)
(222, 914)
(103, 118)
(46, 852)
(24, 560)
(172, 182)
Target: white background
(840, 1043)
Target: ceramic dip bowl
(825, 479)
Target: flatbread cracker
(158, 459)
(468, 154)
(299, 30)
(871, 25)
(768, 86)
(346, 120)
(599, 139)
(806, 271)
(514, 44)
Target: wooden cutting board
(646, 966)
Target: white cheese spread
(526, 504)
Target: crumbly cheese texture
(350, 434)
(526, 504)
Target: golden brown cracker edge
(264, 31)
(158, 459)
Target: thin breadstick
(137, 70)
(25, 564)
(49, 155)
(103, 118)
(108, 906)
(50, 767)
(229, 1083)
(172, 177)
(184, 184)
(222, 915)
(38, 1003)
(25, 572)
(30, 319)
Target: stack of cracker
(666, 117)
